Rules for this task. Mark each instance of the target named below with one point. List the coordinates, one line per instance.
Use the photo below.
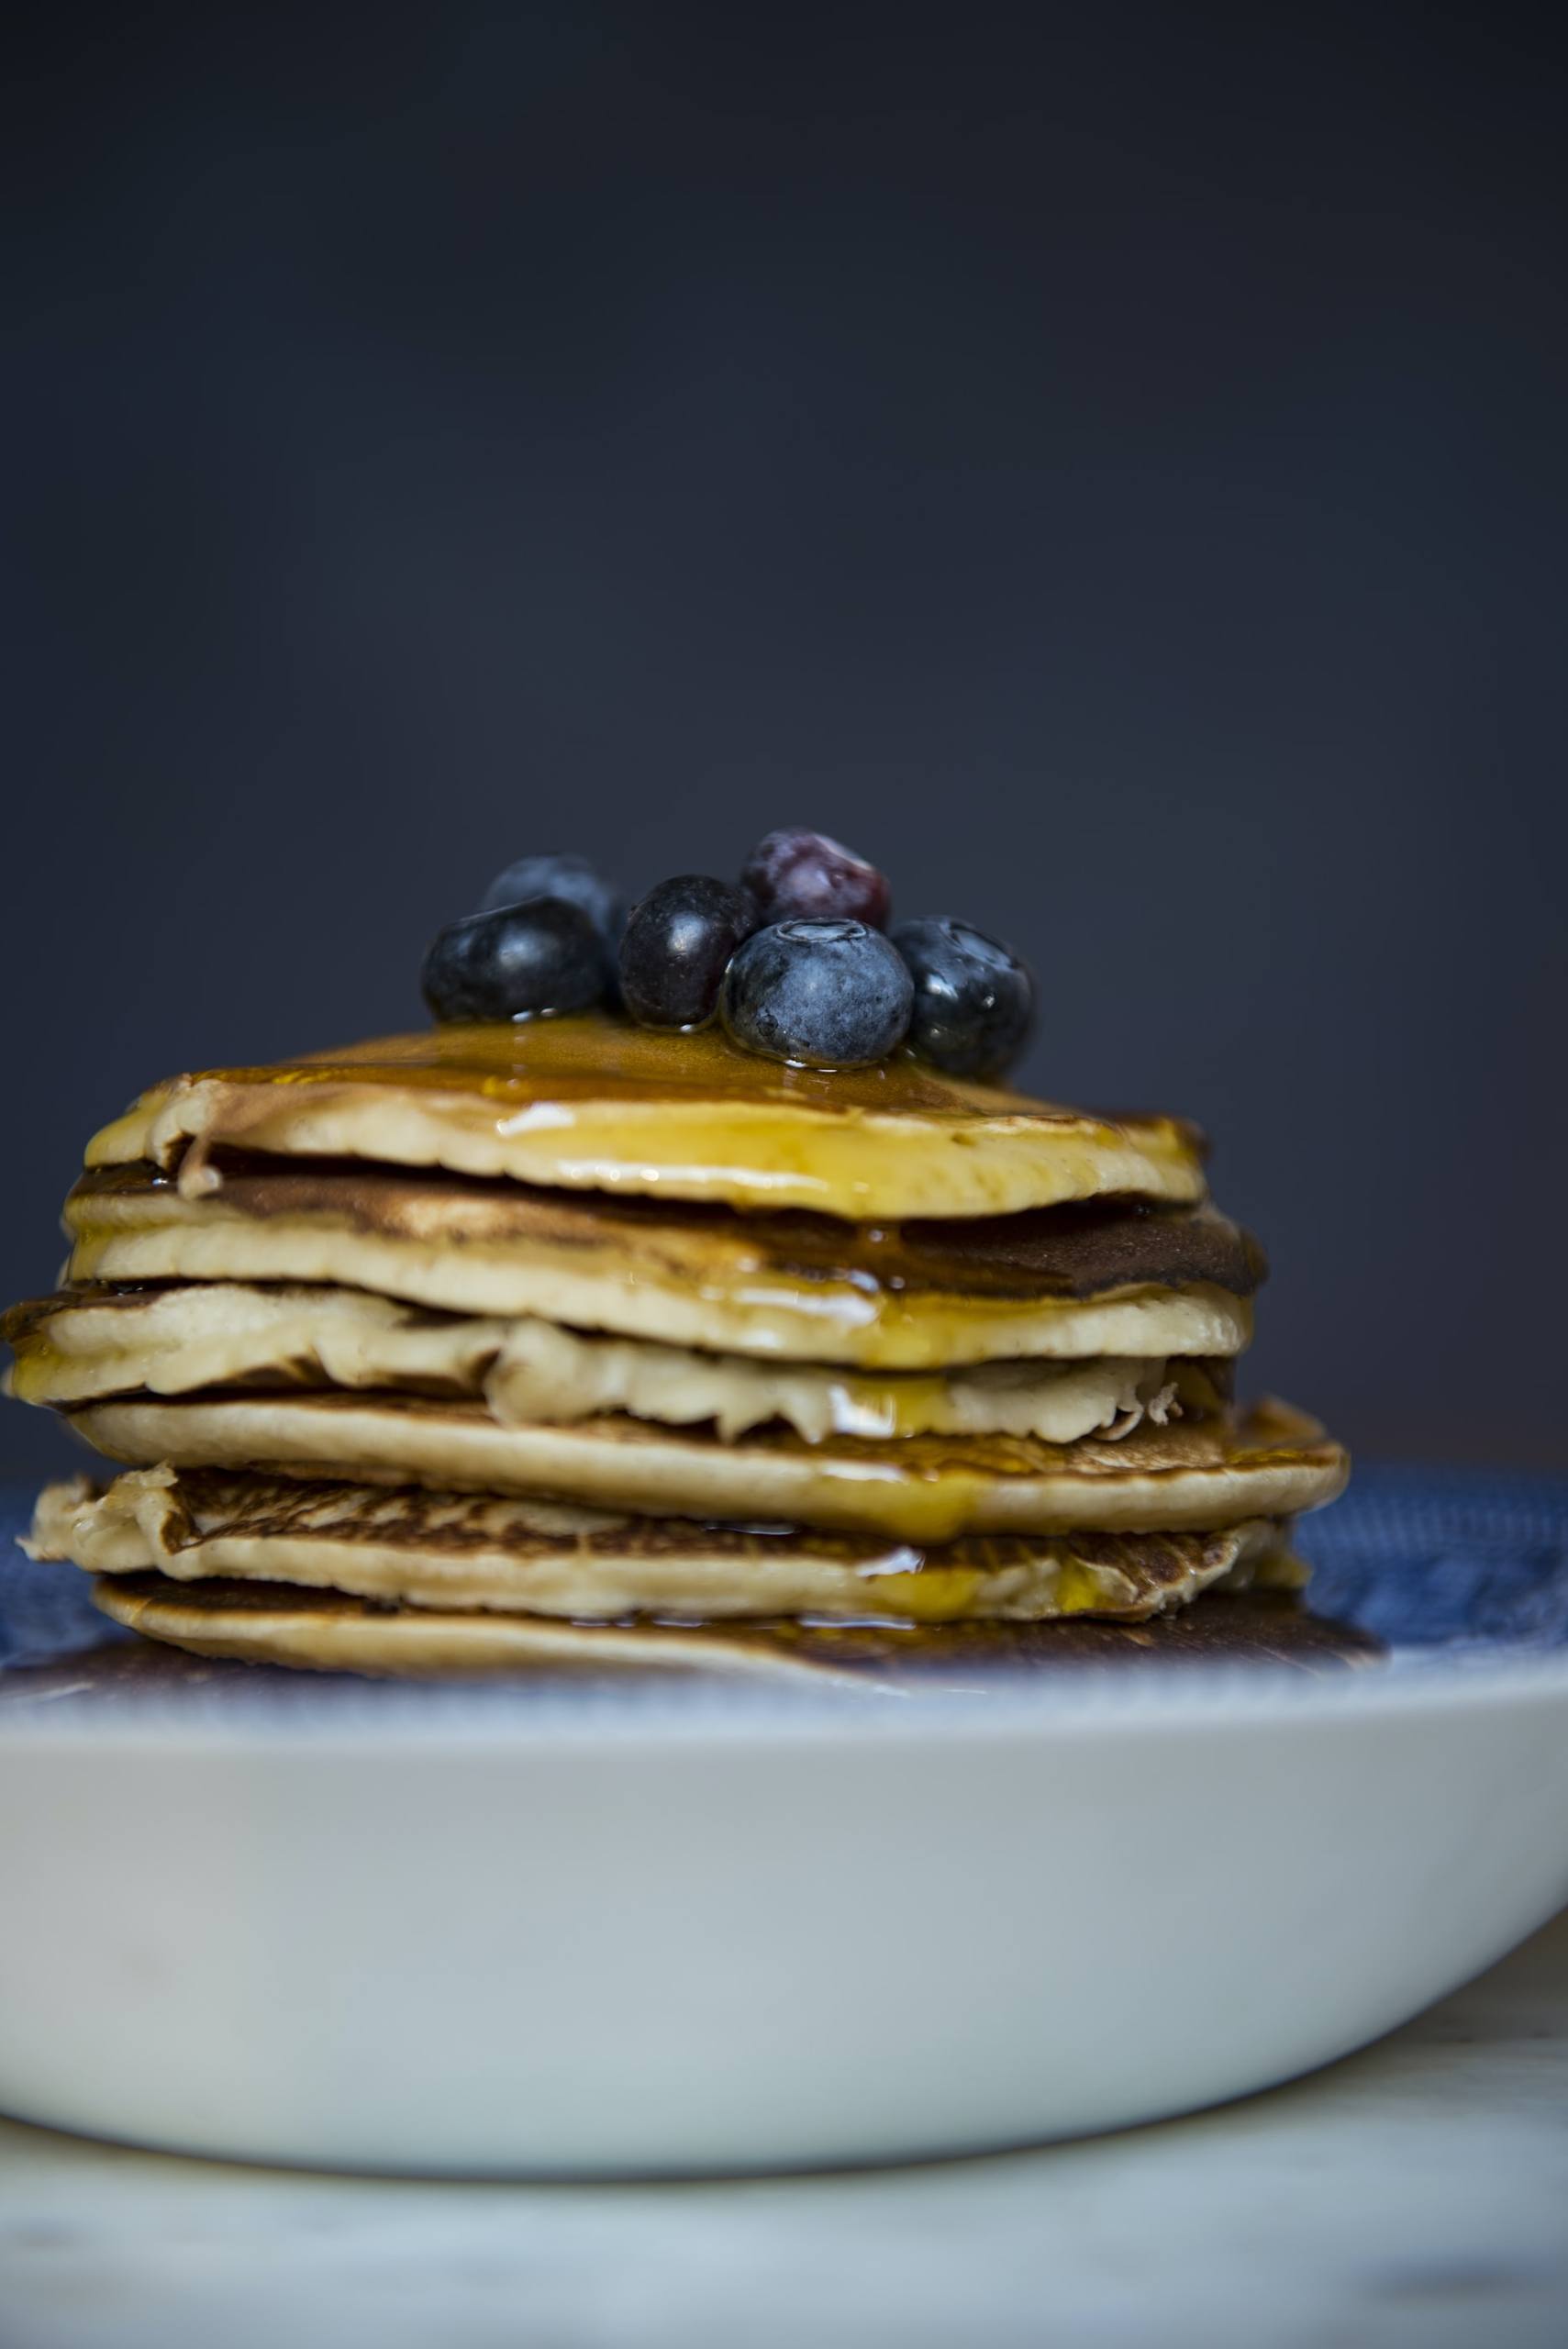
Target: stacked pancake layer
(564, 1341)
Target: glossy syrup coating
(595, 1103)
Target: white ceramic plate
(651, 1927)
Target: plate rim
(465, 1717)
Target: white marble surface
(1416, 2194)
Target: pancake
(325, 1632)
(1196, 1473)
(271, 1624)
(593, 1103)
(448, 1551)
(1067, 1283)
(85, 1344)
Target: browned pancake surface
(1252, 1627)
(1079, 1250)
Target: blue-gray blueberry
(571, 877)
(828, 994)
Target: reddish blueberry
(796, 875)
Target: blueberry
(542, 956)
(974, 997)
(571, 877)
(805, 877)
(831, 993)
(675, 946)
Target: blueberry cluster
(796, 959)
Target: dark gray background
(1109, 464)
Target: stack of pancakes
(567, 1341)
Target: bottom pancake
(1226, 1628)
(409, 1547)
(262, 1622)
(271, 1624)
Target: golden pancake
(87, 1343)
(1202, 1474)
(1066, 1283)
(456, 1552)
(1260, 1624)
(325, 1632)
(272, 1623)
(593, 1103)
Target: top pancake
(594, 1104)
